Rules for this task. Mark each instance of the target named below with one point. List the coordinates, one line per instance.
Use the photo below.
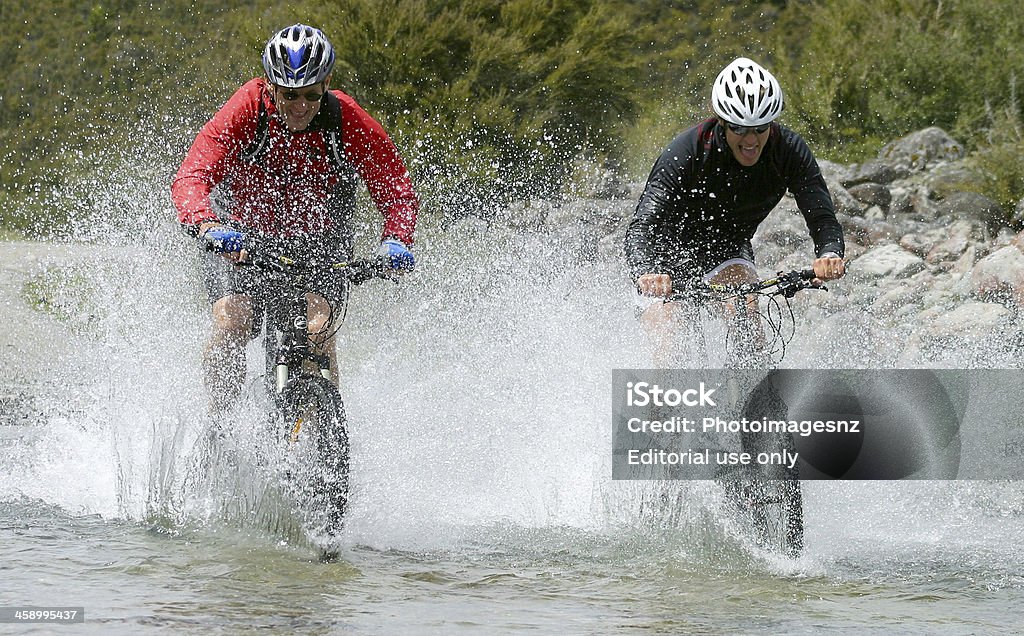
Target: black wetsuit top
(701, 207)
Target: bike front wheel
(317, 454)
(769, 497)
(772, 511)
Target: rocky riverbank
(932, 268)
(937, 265)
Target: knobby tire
(773, 510)
(315, 428)
(769, 499)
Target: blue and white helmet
(746, 94)
(298, 56)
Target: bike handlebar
(786, 284)
(357, 271)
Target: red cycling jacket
(293, 188)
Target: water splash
(478, 394)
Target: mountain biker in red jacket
(711, 188)
(279, 162)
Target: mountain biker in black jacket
(715, 183)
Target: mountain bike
(766, 499)
(308, 414)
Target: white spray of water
(478, 391)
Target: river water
(478, 395)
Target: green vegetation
(858, 73)
(996, 164)
(504, 96)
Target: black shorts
(224, 278)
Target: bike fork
(281, 373)
(280, 377)
(324, 364)
(747, 346)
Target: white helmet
(298, 56)
(746, 94)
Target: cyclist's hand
(226, 241)
(828, 267)
(659, 285)
(397, 256)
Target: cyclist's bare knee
(318, 314)
(232, 315)
(322, 324)
(321, 321)
(735, 274)
(660, 315)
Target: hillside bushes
(504, 97)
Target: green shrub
(999, 161)
(499, 97)
(858, 72)
(1001, 177)
(491, 92)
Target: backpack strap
(333, 132)
(706, 132)
(330, 125)
(254, 151)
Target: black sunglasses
(743, 130)
(291, 96)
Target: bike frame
(773, 508)
(288, 342)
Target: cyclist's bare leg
(224, 356)
(736, 274)
(319, 316)
(659, 321)
(671, 328)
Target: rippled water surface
(479, 402)
(857, 577)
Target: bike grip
(808, 274)
(363, 270)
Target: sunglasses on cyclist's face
(290, 95)
(744, 130)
